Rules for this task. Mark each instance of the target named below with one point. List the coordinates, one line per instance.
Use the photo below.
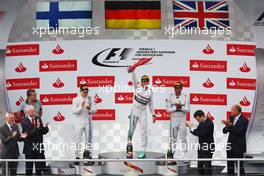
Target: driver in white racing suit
(83, 108)
(143, 97)
(177, 104)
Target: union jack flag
(201, 14)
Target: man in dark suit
(33, 145)
(9, 135)
(236, 126)
(205, 133)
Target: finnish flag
(70, 14)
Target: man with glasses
(143, 96)
(83, 108)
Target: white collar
(236, 117)
(30, 118)
(9, 125)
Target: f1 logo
(260, 20)
(122, 55)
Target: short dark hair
(84, 87)
(198, 113)
(30, 91)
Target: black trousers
(205, 167)
(231, 164)
(12, 168)
(38, 165)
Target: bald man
(236, 126)
(9, 135)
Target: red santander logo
(244, 102)
(58, 83)
(22, 50)
(124, 97)
(97, 99)
(208, 83)
(245, 68)
(104, 114)
(169, 81)
(22, 83)
(208, 50)
(240, 49)
(241, 83)
(57, 99)
(59, 65)
(59, 117)
(208, 99)
(162, 114)
(20, 68)
(96, 81)
(210, 116)
(20, 101)
(208, 65)
(58, 50)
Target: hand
(14, 134)
(130, 69)
(24, 135)
(178, 106)
(47, 125)
(188, 124)
(38, 124)
(226, 122)
(83, 104)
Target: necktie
(33, 122)
(12, 128)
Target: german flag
(132, 15)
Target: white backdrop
(230, 67)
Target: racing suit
(83, 122)
(178, 119)
(142, 98)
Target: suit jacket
(34, 140)
(205, 133)
(237, 134)
(10, 147)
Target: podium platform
(133, 168)
(119, 168)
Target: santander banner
(215, 75)
(22, 50)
